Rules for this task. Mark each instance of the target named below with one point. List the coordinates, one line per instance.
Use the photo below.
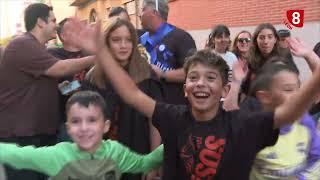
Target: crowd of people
(117, 102)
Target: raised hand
(239, 71)
(86, 36)
(298, 48)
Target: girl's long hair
(256, 59)
(138, 68)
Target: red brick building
(202, 14)
(199, 16)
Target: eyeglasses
(242, 40)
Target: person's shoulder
(65, 145)
(178, 107)
(171, 110)
(308, 121)
(62, 148)
(113, 146)
(251, 110)
(21, 40)
(231, 54)
(178, 32)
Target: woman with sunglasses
(241, 46)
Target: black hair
(116, 11)
(86, 98)
(35, 11)
(60, 27)
(208, 58)
(216, 31)
(265, 75)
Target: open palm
(298, 48)
(238, 71)
(86, 36)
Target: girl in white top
(219, 41)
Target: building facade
(90, 10)
(12, 15)
(199, 16)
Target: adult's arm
(69, 66)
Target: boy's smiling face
(86, 126)
(204, 89)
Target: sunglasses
(242, 40)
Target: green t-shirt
(66, 161)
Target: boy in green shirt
(89, 157)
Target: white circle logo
(162, 47)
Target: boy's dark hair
(60, 28)
(265, 75)
(216, 31)
(208, 58)
(116, 11)
(35, 11)
(86, 98)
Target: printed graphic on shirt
(202, 155)
(163, 54)
(286, 158)
(89, 170)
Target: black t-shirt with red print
(222, 148)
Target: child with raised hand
(202, 141)
(89, 157)
(297, 151)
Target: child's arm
(238, 74)
(298, 46)
(28, 157)
(91, 39)
(293, 108)
(131, 162)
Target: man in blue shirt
(168, 47)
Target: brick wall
(203, 14)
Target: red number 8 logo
(296, 17)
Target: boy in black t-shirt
(202, 141)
